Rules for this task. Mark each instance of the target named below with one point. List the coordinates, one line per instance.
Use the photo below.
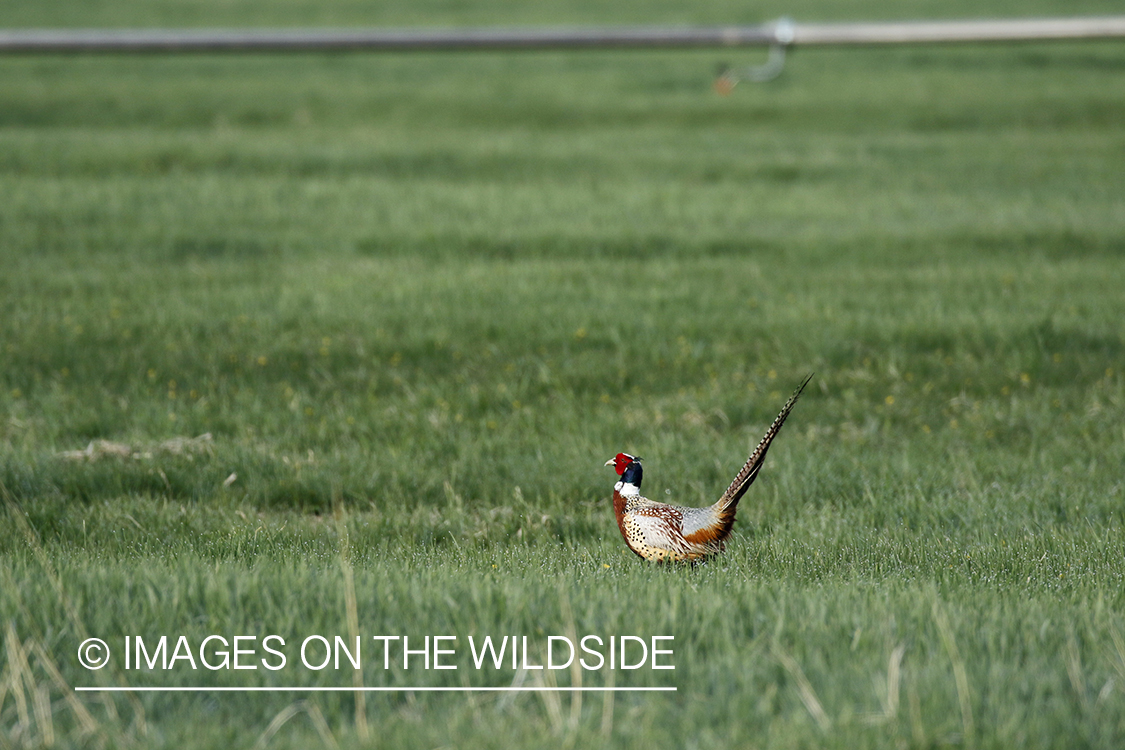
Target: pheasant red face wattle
(621, 461)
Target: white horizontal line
(335, 689)
(398, 39)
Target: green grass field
(418, 300)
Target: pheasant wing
(660, 526)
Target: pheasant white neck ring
(626, 489)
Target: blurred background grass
(445, 288)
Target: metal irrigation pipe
(778, 36)
(783, 33)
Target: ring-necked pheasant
(659, 531)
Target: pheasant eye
(621, 462)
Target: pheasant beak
(610, 462)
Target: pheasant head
(621, 462)
(629, 467)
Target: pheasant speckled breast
(660, 531)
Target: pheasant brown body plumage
(661, 532)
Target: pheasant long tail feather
(753, 465)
